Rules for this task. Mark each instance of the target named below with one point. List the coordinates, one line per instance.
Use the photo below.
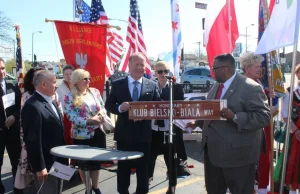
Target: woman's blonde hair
(248, 59)
(161, 63)
(77, 75)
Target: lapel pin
(231, 91)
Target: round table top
(87, 153)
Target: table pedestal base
(88, 182)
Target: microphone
(172, 78)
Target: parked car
(197, 77)
(12, 78)
(59, 76)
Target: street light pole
(32, 43)
(247, 36)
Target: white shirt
(131, 86)
(227, 85)
(3, 85)
(49, 99)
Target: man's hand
(227, 114)
(271, 94)
(10, 121)
(297, 133)
(124, 106)
(42, 175)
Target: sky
(155, 16)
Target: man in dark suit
(43, 129)
(9, 124)
(232, 146)
(132, 135)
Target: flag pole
(287, 134)
(74, 10)
(229, 24)
(271, 88)
(107, 25)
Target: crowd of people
(236, 149)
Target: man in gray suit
(232, 146)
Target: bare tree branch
(5, 27)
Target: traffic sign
(200, 5)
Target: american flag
(115, 41)
(19, 61)
(135, 38)
(86, 11)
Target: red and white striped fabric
(114, 41)
(135, 38)
(216, 33)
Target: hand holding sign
(10, 121)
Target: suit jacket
(234, 145)
(43, 130)
(12, 110)
(126, 130)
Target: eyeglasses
(86, 79)
(215, 68)
(163, 71)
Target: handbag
(107, 124)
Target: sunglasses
(163, 71)
(87, 79)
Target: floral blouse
(79, 115)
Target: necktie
(135, 92)
(219, 92)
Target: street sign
(200, 109)
(200, 5)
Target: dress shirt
(3, 86)
(49, 99)
(227, 85)
(131, 86)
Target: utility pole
(199, 43)
(14, 48)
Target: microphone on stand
(172, 78)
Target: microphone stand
(172, 172)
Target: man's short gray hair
(248, 59)
(42, 75)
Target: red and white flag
(216, 32)
(114, 41)
(135, 38)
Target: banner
(84, 46)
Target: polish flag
(216, 32)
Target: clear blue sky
(156, 21)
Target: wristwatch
(234, 118)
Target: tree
(5, 27)
(11, 63)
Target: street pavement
(193, 184)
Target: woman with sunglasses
(82, 107)
(158, 146)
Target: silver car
(197, 77)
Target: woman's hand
(95, 120)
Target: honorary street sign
(200, 110)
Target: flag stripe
(135, 38)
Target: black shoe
(169, 191)
(183, 169)
(97, 191)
